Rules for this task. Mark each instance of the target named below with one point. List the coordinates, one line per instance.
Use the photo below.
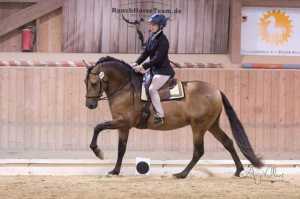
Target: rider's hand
(133, 65)
(138, 69)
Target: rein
(115, 92)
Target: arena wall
(42, 108)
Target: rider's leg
(157, 82)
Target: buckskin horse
(200, 108)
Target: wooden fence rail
(44, 108)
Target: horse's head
(109, 75)
(94, 83)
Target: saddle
(172, 90)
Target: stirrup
(159, 120)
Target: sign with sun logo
(275, 27)
(270, 31)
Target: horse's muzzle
(91, 104)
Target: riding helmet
(158, 19)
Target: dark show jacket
(157, 49)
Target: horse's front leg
(123, 137)
(115, 124)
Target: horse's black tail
(239, 134)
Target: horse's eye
(94, 79)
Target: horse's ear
(88, 66)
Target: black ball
(142, 167)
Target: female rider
(157, 48)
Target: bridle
(99, 96)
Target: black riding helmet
(159, 20)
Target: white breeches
(157, 82)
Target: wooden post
(49, 32)
(235, 31)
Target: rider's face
(153, 27)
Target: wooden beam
(19, 1)
(27, 15)
(272, 3)
(235, 31)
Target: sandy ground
(81, 187)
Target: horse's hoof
(114, 172)
(99, 154)
(238, 173)
(179, 175)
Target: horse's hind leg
(198, 135)
(220, 135)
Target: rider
(157, 48)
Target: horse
(200, 108)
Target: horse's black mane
(112, 59)
(136, 78)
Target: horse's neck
(119, 77)
(128, 97)
(119, 93)
(115, 81)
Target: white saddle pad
(175, 93)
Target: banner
(120, 26)
(270, 31)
